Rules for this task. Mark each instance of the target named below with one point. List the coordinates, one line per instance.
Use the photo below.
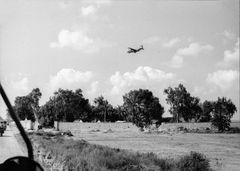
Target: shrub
(194, 162)
(80, 155)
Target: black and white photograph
(119, 85)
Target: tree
(27, 107)
(35, 96)
(102, 108)
(183, 105)
(142, 107)
(23, 108)
(46, 114)
(118, 113)
(69, 105)
(222, 113)
(64, 105)
(205, 115)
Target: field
(223, 150)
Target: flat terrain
(223, 150)
(9, 146)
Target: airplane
(131, 50)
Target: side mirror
(21, 163)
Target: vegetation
(47, 113)
(207, 108)
(27, 107)
(194, 162)
(102, 109)
(222, 113)
(182, 104)
(142, 107)
(80, 155)
(69, 105)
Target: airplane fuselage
(131, 50)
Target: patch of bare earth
(223, 150)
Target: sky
(83, 44)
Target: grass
(194, 162)
(81, 155)
(223, 150)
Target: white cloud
(93, 87)
(142, 76)
(70, 78)
(75, 39)
(93, 6)
(88, 10)
(228, 34)
(194, 49)
(21, 86)
(224, 79)
(171, 42)
(78, 40)
(197, 90)
(177, 61)
(231, 57)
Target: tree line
(140, 107)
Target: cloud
(171, 43)
(228, 34)
(194, 49)
(231, 57)
(21, 86)
(177, 61)
(93, 7)
(93, 87)
(78, 40)
(75, 39)
(70, 78)
(88, 10)
(224, 79)
(141, 77)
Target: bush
(194, 162)
(80, 155)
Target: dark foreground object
(20, 163)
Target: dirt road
(9, 146)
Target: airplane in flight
(131, 50)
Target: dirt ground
(223, 150)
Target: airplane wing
(131, 48)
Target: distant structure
(132, 50)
